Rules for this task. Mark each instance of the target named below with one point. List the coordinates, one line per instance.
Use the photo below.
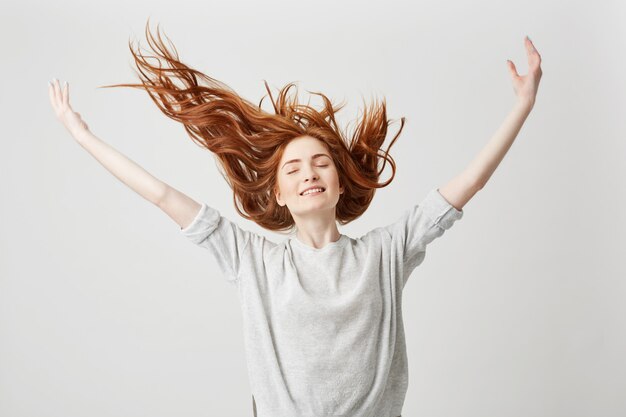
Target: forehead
(302, 147)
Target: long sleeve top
(323, 328)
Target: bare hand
(526, 86)
(60, 100)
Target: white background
(106, 310)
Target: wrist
(79, 134)
(525, 103)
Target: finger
(51, 94)
(530, 46)
(57, 95)
(534, 59)
(66, 93)
(54, 94)
(512, 68)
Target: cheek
(289, 188)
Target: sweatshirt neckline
(338, 243)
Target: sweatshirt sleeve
(419, 226)
(225, 240)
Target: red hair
(249, 142)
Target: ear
(278, 199)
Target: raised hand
(60, 100)
(526, 86)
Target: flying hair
(248, 142)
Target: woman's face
(306, 162)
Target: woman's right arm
(177, 205)
(180, 207)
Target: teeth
(312, 191)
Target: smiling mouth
(314, 193)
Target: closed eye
(322, 166)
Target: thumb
(512, 68)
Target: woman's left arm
(463, 187)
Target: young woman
(322, 311)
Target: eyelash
(296, 169)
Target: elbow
(477, 183)
(161, 195)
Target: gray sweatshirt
(323, 328)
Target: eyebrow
(317, 155)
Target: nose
(312, 175)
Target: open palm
(60, 100)
(526, 86)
